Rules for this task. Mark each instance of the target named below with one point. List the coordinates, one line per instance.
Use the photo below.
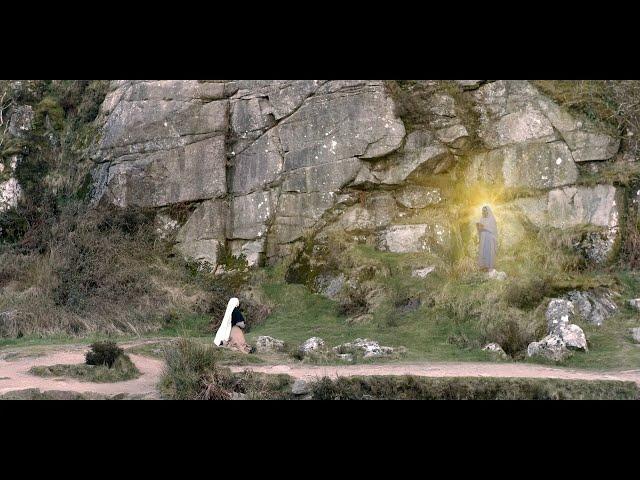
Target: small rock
(559, 312)
(368, 348)
(345, 357)
(266, 344)
(422, 272)
(313, 344)
(496, 275)
(635, 333)
(300, 387)
(551, 347)
(635, 303)
(238, 396)
(495, 348)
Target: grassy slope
(429, 333)
(426, 332)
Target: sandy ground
(462, 369)
(14, 374)
(15, 365)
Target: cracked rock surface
(264, 164)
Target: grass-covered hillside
(71, 269)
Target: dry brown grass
(100, 271)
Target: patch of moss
(85, 188)
(49, 113)
(230, 261)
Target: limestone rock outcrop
(266, 164)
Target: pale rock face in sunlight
(10, 193)
(266, 164)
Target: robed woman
(231, 334)
(488, 232)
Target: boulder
(560, 312)
(312, 345)
(594, 307)
(496, 349)
(298, 212)
(521, 126)
(404, 239)
(588, 146)
(635, 334)
(571, 206)
(597, 208)
(365, 347)
(266, 344)
(341, 121)
(377, 210)
(572, 336)
(300, 387)
(551, 347)
(192, 172)
(525, 165)
(423, 237)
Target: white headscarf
(225, 328)
(489, 222)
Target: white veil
(225, 327)
(489, 222)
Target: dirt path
(15, 365)
(461, 369)
(14, 374)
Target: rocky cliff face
(263, 165)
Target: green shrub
(103, 353)
(192, 373)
